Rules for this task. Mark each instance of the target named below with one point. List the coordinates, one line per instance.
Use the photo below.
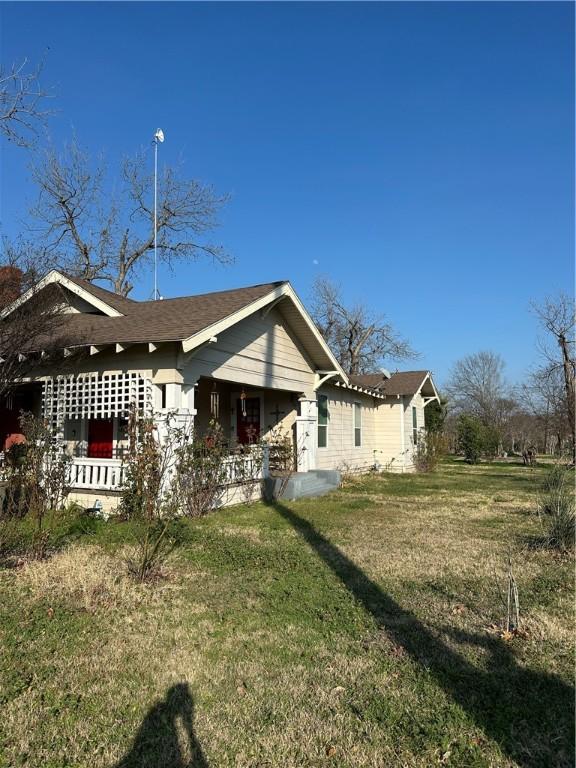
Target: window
(415, 425)
(357, 425)
(323, 417)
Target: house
(250, 358)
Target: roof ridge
(274, 284)
(89, 286)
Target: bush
(556, 508)
(430, 448)
(201, 472)
(490, 441)
(36, 476)
(470, 438)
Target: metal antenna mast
(158, 139)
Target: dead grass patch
(87, 578)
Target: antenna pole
(155, 215)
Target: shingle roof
(401, 383)
(163, 320)
(121, 303)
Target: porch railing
(97, 474)
(109, 474)
(250, 467)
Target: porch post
(306, 431)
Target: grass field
(360, 629)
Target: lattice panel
(95, 396)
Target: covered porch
(90, 414)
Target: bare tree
(22, 103)
(102, 231)
(545, 397)
(33, 328)
(557, 317)
(361, 339)
(476, 385)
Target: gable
(75, 293)
(260, 351)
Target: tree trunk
(570, 389)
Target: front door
(248, 426)
(100, 437)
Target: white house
(251, 358)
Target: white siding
(258, 352)
(341, 453)
(390, 417)
(410, 402)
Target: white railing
(109, 474)
(97, 474)
(248, 467)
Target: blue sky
(420, 154)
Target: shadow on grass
(528, 713)
(157, 743)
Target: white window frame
(356, 405)
(415, 428)
(322, 426)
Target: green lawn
(360, 629)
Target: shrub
(470, 438)
(146, 494)
(490, 441)
(556, 508)
(430, 448)
(201, 472)
(36, 476)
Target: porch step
(302, 485)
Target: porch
(89, 412)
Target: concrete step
(303, 484)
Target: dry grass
(87, 578)
(280, 659)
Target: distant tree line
(487, 416)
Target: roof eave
(54, 276)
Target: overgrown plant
(556, 508)
(430, 448)
(201, 471)
(36, 476)
(146, 494)
(247, 469)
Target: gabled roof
(110, 304)
(190, 320)
(162, 320)
(121, 303)
(400, 383)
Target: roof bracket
(265, 310)
(185, 357)
(320, 377)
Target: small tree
(476, 386)
(470, 438)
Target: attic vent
(95, 396)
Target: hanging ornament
(243, 402)
(215, 402)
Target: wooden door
(248, 427)
(100, 438)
